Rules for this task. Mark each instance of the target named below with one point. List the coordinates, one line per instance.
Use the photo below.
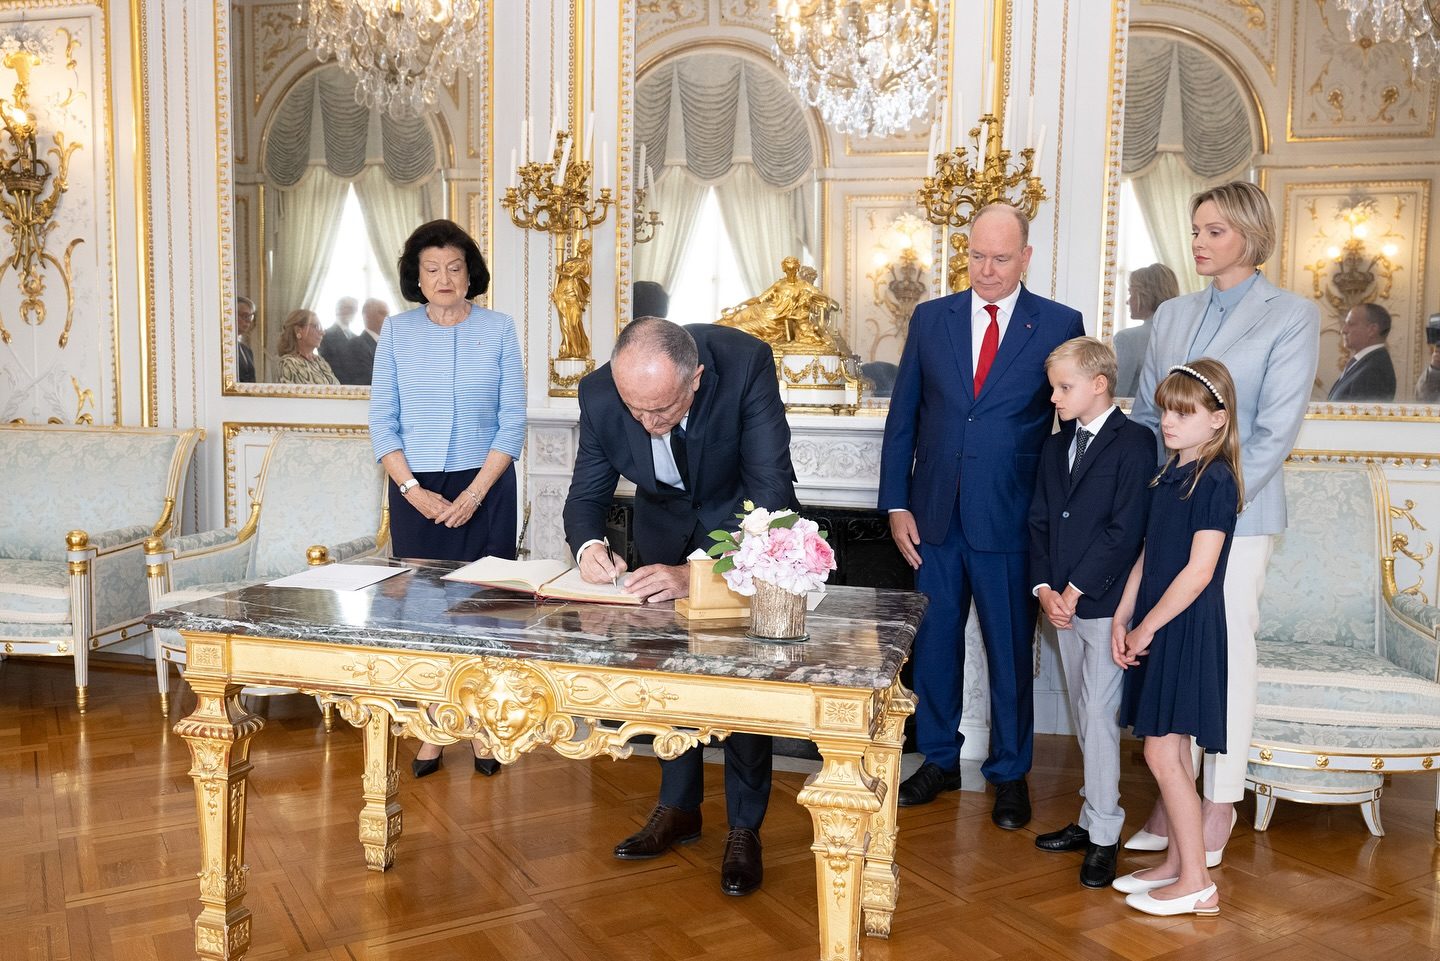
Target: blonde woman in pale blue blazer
(1269, 340)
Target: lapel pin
(1029, 326)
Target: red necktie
(988, 347)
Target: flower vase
(776, 614)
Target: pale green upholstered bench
(1348, 688)
(77, 507)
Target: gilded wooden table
(422, 657)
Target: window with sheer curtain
(1187, 127)
(346, 186)
(729, 164)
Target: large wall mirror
(1342, 137)
(743, 174)
(325, 191)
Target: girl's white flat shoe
(1143, 840)
(1188, 904)
(1130, 884)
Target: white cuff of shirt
(585, 546)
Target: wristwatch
(405, 487)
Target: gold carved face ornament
(512, 701)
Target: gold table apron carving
(517, 704)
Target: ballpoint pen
(611, 554)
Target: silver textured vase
(776, 614)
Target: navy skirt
(490, 531)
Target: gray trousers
(1094, 681)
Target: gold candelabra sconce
(901, 264)
(554, 196)
(968, 178)
(24, 175)
(1351, 272)
(645, 221)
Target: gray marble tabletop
(859, 637)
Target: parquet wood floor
(98, 859)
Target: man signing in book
(693, 417)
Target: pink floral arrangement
(779, 547)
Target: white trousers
(1244, 582)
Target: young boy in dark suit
(1087, 521)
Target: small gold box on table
(710, 597)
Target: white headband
(1181, 368)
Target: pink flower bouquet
(780, 548)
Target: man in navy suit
(1370, 373)
(693, 417)
(968, 413)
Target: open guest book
(544, 579)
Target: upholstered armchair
(1348, 688)
(77, 507)
(318, 499)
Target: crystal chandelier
(1415, 23)
(868, 65)
(401, 52)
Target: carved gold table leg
(219, 734)
(841, 798)
(381, 822)
(881, 885)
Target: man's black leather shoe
(742, 871)
(1012, 805)
(1071, 837)
(1099, 867)
(666, 826)
(922, 786)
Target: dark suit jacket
(1371, 379)
(245, 362)
(359, 360)
(1087, 531)
(737, 447)
(941, 439)
(335, 348)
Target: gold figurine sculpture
(789, 314)
(571, 297)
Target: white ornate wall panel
(58, 354)
(872, 327)
(1343, 90)
(1255, 24)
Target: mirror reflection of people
(1149, 288)
(1427, 388)
(300, 360)
(571, 297)
(335, 346)
(244, 356)
(649, 299)
(693, 417)
(447, 414)
(1269, 340)
(359, 358)
(1369, 374)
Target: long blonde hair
(290, 333)
(1204, 384)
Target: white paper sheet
(338, 577)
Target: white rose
(756, 522)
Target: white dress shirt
(980, 321)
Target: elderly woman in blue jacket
(447, 413)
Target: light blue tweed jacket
(1271, 345)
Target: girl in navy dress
(1174, 655)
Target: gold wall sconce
(28, 215)
(1351, 272)
(645, 221)
(565, 209)
(966, 179)
(901, 263)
